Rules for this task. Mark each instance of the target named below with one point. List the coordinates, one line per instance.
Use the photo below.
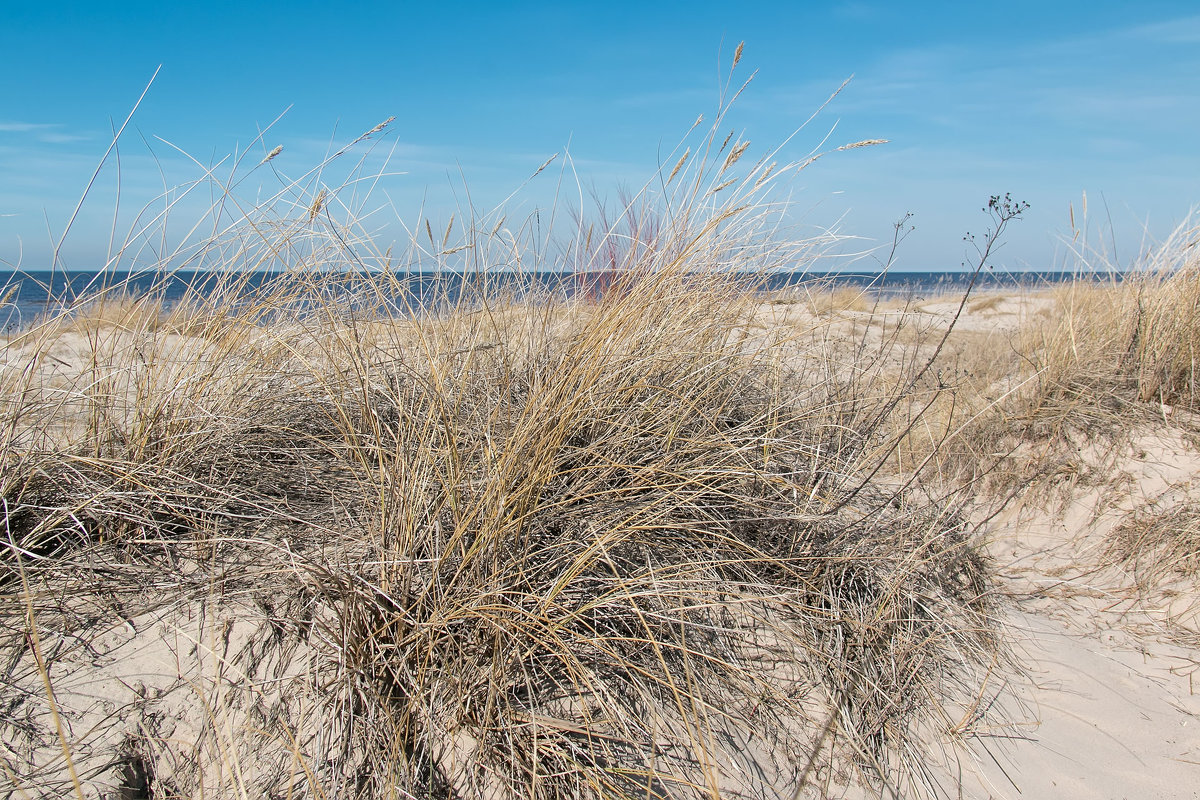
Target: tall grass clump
(622, 544)
(1100, 356)
(1132, 340)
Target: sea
(26, 296)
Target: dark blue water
(28, 295)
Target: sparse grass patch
(987, 303)
(827, 302)
(1157, 544)
(1102, 357)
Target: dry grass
(1093, 361)
(547, 550)
(987, 303)
(638, 543)
(527, 547)
(1128, 342)
(1159, 544)
(1047, 411)
(834, 301)
(552, 550)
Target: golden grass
(524, 526)
(1134, 340)
(489, 547)
(846, 299)
(987, 303)
(517, 545)
(321, 537)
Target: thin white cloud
(49, 133)
(63, 138)
(24, 127)
(1185, 30)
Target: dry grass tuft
(552, 551)
(1159, 544)
(988, 303)
(1132, 341)
(481, 545)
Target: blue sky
(1045, 100)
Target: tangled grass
(552, 551)
(620, 546)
